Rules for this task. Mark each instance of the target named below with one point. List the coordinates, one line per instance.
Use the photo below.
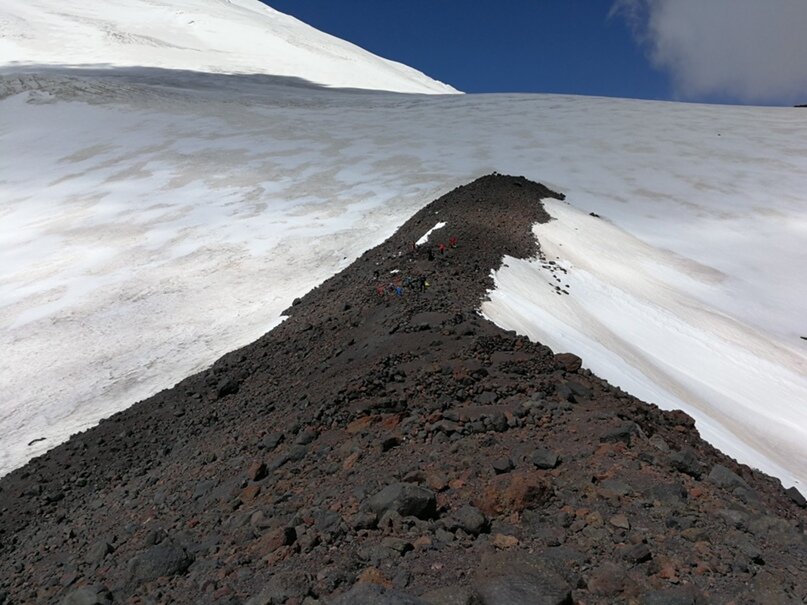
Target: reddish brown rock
(514, 493)
(568, 362)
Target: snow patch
(426, 235)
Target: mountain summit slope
(194, 207)
(236, 36)
(388, 438)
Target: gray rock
(446, 426)
(97, 552)
(203, 488)
(733, 517)
(306, 437)
(545, 459)
(613, 487)
(365, 520)
(509, 583)
(228, 386)
(502, 465)
(499, 422)
(621, 433)
(638, 553)
(297, 452)
(670, 596)
(164, 559)
(723, 477)
(283, 586)
(327, 521)
(668, 493)
(406, 500)
(271, 441)
(89, 595)
(372, 594)
(510, 580)
(579, 390)
(450, 595)
(565, 393)
(397, 545)
(686, 462)
(470, 519)
(796, 496)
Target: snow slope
(223, 36)
(153, 220)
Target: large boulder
(406, 499)
(725, 478)
(164, 559)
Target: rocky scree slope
(388, 445)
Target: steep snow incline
(226, 36)
(147, 229)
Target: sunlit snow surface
(219, 36)
(150, 223)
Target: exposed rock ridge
(386, 444)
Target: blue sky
(575, 46)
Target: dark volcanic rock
(406, 500)
(468, 518)
(451, 595)
(796, 496)
(510, 582)
(282, 587)
(543, 458)
(672, 596)
(89, 595)
(164, 559)
(720, 475)
(372, 594)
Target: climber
(420, 283)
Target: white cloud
(753, 50)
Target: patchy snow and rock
(425, 237)
(657, 324)
(154, 219)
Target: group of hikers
(441, 247)
(418, 283)
(396, 287)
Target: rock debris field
(387, 445)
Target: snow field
(236, 36)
